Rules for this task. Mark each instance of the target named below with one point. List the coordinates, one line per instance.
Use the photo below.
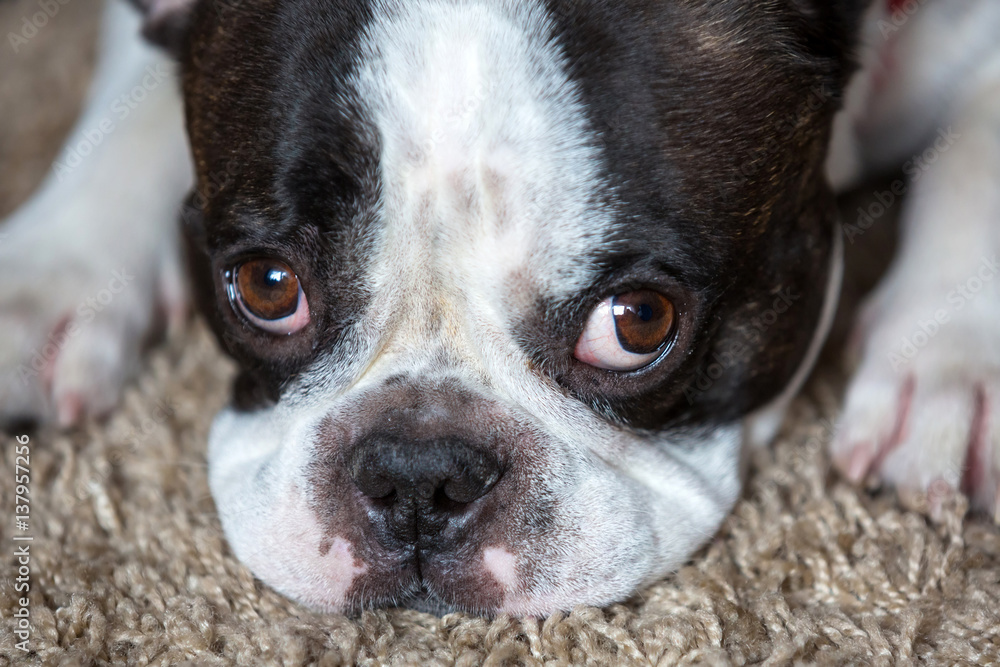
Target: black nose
(418, 487)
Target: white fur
(109, 208)
(927, 348)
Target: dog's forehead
(457, 181)
(482, 195)
(490, 178)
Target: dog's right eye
(268, 294)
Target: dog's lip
(425, 601)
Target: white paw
(923, 411)
(73, 320)
(91, 262)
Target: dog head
(503, 279)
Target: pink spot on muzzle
(502, 566)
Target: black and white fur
(457, 185)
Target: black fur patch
(713, 116)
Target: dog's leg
(91, 262)
(923, 411)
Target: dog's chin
(427, 602)
(570, 521)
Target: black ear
(831, 28)
(842, 15)
(165, 22)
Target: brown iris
(268, 288)
(644, 321)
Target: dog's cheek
(256, 463)
(297, 556)
(622, 522)
(597, 549)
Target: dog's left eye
(627, 332)
(269, 295)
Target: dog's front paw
(923, 411)
(72, 326)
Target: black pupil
(274, 279)
(643, 321)
(272, 285)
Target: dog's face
(502, 278)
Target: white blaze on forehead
(488, 167)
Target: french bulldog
(511, 284)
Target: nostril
(384, 502)
(371, 483)
(446, 504)
(472, 484)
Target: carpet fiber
(129, 566)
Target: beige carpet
(128, 564)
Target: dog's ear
(838, 16)
(165, 22)
(831, 28)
